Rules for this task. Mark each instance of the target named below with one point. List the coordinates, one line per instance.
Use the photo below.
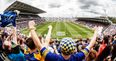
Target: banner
(8, 17)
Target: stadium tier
(101, 20)
(24, 8)
(92, 22)
(27, 12)
(108, 27)
(110, 30)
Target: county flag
(8, 17)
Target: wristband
(32, 28)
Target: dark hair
(80, 39)
(104, 53)
(20, 40)
(113, 52)
(106, 39)
(4, 34)
(30, 43)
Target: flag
(8, 17)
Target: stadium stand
(92, 22)
(27, 12)
(110, 30)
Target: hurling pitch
(62, 29)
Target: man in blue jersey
(67, 46)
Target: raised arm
(15, 35)
(48, 36)
(6, 42)
(97, 31)
(34, 36)
(85, 52)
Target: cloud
(98, 6)
(113, 0)
(4, 4)
(88, 3)
(69, 8)
(54, 5)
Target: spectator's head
(30, 43)
(51, 42)
(7, 45)
(106, 39)
(20, 40)
(67, 46)
(80, 40)
(108, 58)
(4, 35)
(115, 37)
(91, 56)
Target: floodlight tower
(106, 16)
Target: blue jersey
(54, 57)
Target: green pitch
(63, 29)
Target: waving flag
(8, 17)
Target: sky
(69, 8)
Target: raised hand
(50, 26)
(34, 36)
(31, 25)
(98, 30)
(48, 36)
(17, 11)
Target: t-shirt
(101, 48)
(54, 57)
(16, 54)
(114, 42)
(35, 56)
(16, 57)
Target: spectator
(12, 49)
(66, 53)
(104, 49)
(34, 53)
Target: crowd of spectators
(90, 24)
(109, 29)
(17, 47)
(23, 23)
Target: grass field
(63, 29)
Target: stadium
(62, 27)
(80, 29)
